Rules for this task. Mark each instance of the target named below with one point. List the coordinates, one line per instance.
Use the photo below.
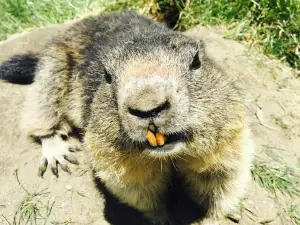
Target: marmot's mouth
(171, 141)
(160, 141)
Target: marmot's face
(158, 98)
(153, 101)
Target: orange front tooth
(151, 138)
(160, 138)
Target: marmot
(150, 103)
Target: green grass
(18, 15)
(293, 212)
(272, 25)
(276, 177)
(34, 208)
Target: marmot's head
(161, 96)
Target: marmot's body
(119, 76)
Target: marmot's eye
(196, 64)
(107, 77)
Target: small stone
(69, 187)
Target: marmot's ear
(198, 56)
(196, 63)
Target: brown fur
(213, 162)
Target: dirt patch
(273, 103)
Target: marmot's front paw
(56, 150)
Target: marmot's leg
(45, 119)
(137, 183)
(147, 198)
(223, 182)
(223, 195)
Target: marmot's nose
(146, 98)
(155, 111)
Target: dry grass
(35, 208)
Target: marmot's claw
(71, 159)
(43, 167)
(64, 167)
(56, 150)
(54, 170)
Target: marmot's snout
(153, 100)
(148, 100)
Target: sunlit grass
(293, 212)
(276, 177)
(35, 208)
(271, 25)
